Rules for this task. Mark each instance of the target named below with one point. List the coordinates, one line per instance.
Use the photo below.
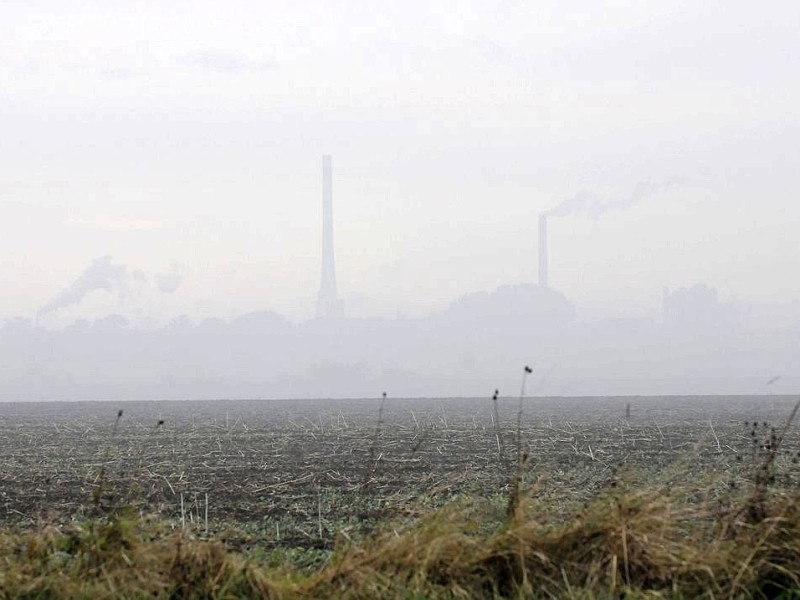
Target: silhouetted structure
(328, 303)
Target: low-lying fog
(700, 345)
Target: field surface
(301, 473)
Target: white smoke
(594, 206)
(103, 274)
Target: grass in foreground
(633, 540)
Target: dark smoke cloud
(101, 274)
(588, 204)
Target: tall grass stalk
(515, 489)
(756, 507)
(373, 451)
(496, 425)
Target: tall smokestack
(328, 304)
(543, 250)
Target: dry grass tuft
(633, 540)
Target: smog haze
(161, 198)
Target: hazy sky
(184, 140)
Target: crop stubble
(284, 473)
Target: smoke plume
(588, 204)
(101, 274)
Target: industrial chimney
(328, 303)
(543, 250)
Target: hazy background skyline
(178, 144)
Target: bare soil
(300, 473)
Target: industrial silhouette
(328, 304)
